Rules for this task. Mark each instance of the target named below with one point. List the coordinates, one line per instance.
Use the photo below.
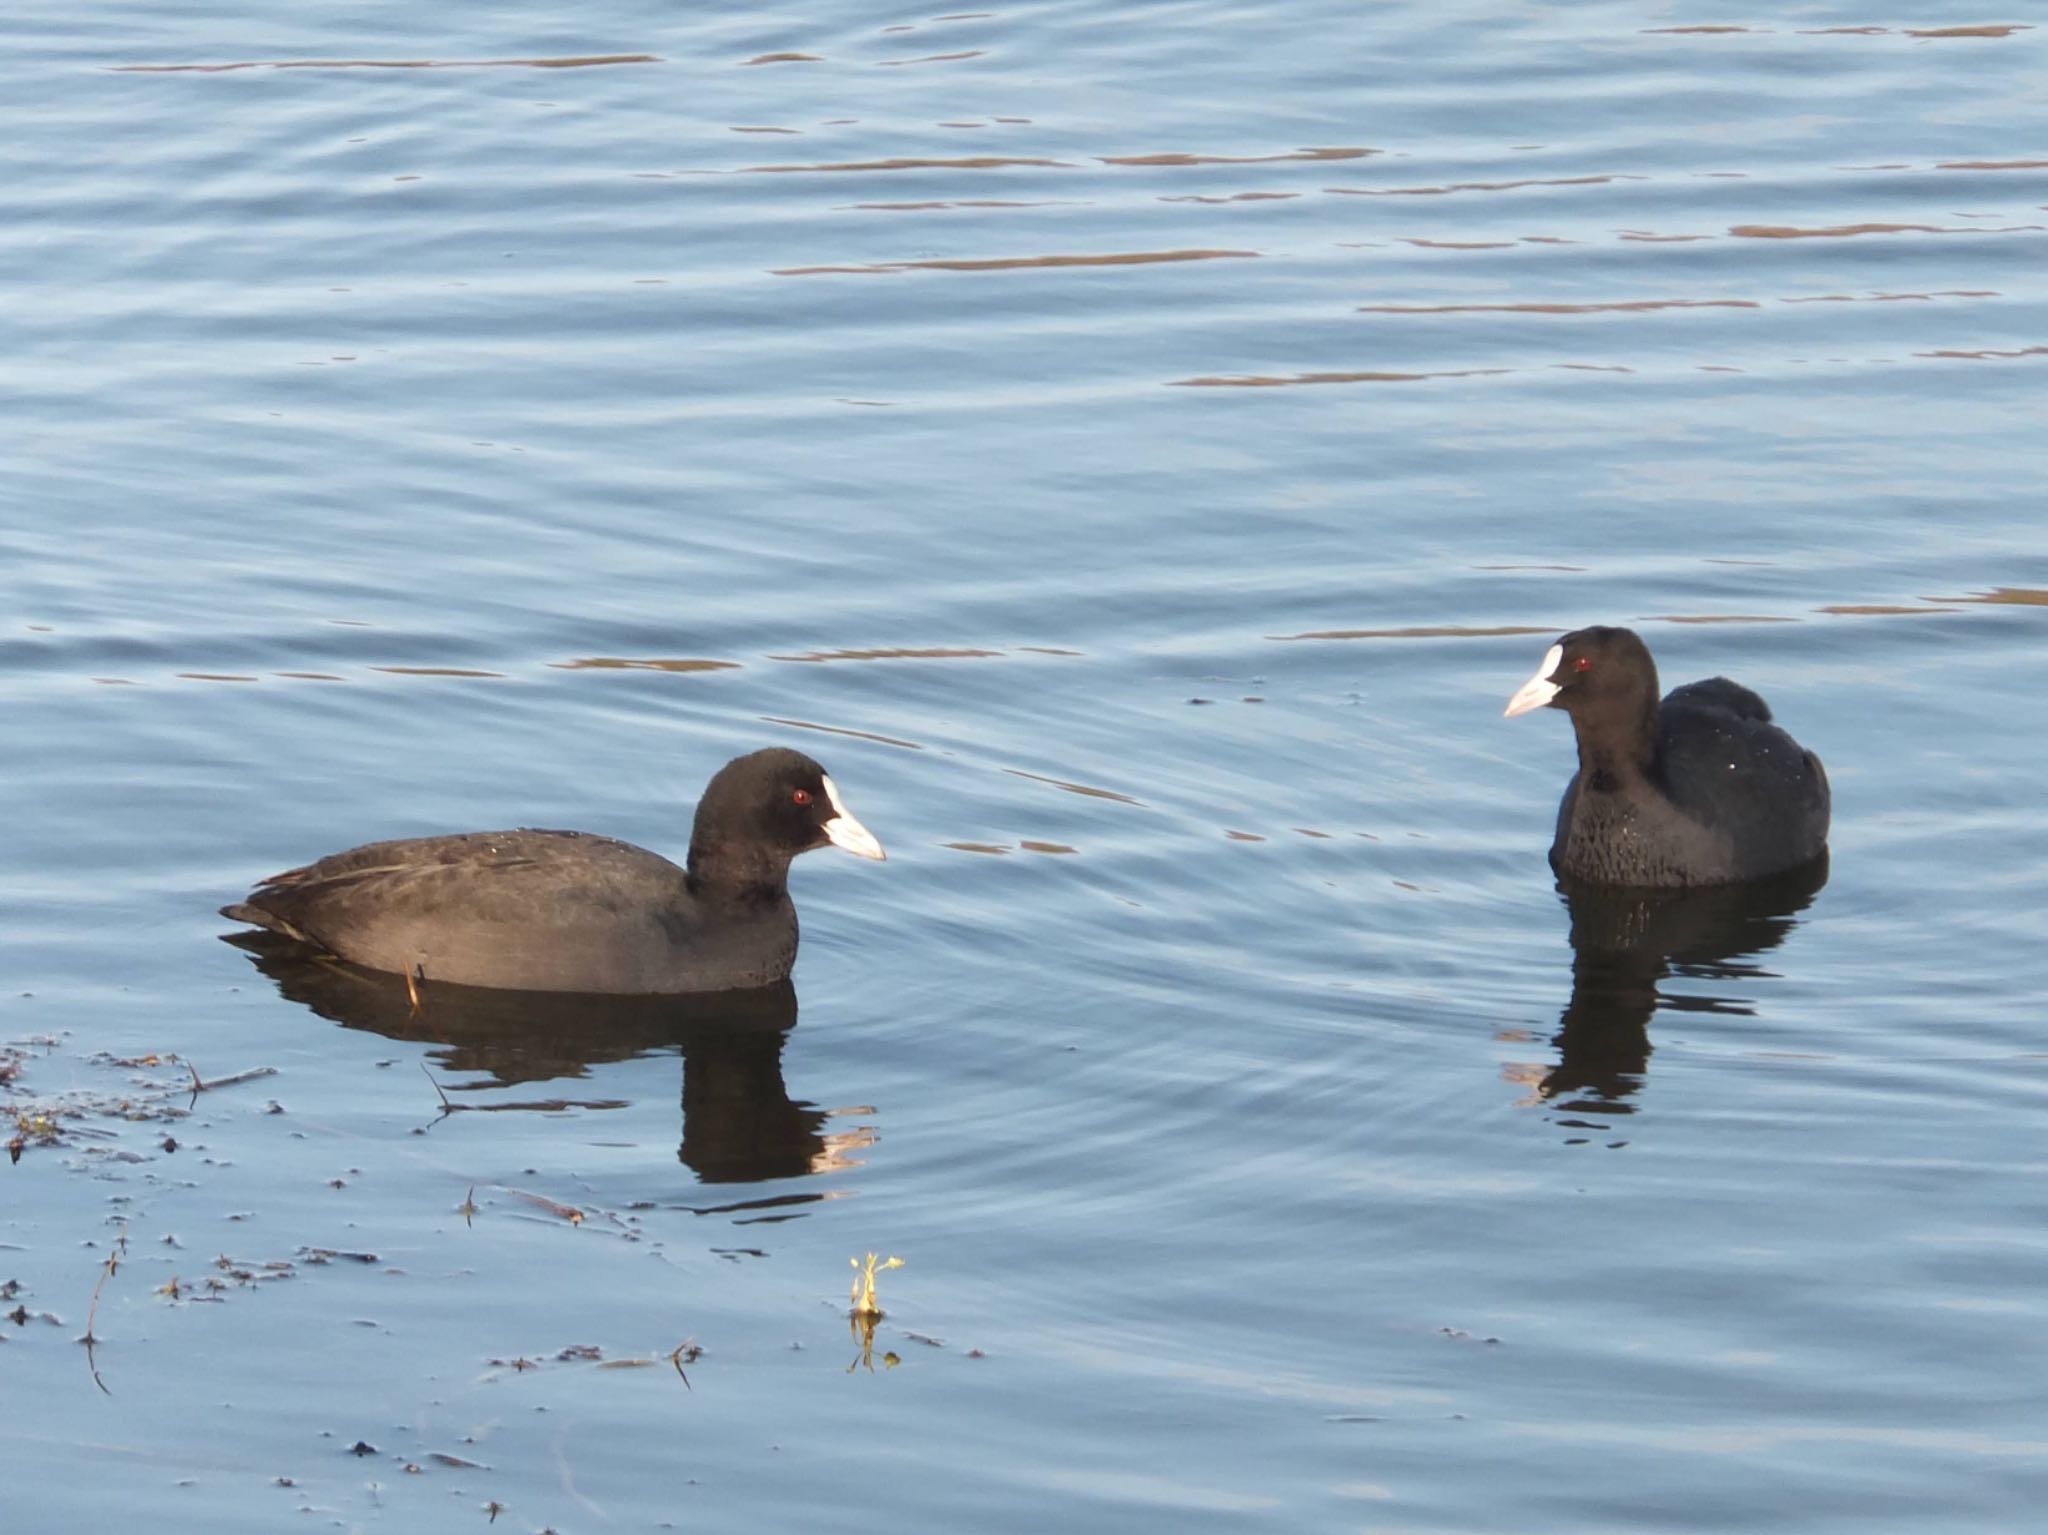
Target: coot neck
(737, 872)
(1618, 741)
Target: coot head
(769, 806)
(1595, 675)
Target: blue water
(1138, 451)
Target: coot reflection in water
(1626, 942)
(739, 1123)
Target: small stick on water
(107, 1271)
(445, 1104)
(236, 1078)
(687, 1349)
(447, 1109)
(553, 1207)
(230, 1080)
(413, 977)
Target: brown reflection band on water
(1019, 263)
(434, 671)
(1995, 30)
(2006, 30)
(1234, 197)
(1989, 353)
(592, 61)
(933, 58)
(215, 677)
(1186, 159)
(786, 58)
(1714, 618)
(965, 202)
(627, 663)
(1876, 610)
(1426, 631)
(932, 653)
(914, 163)
(1461, 245)
(1991, 165)
(2004, 596)
(1242, 836)
(309, 676)
(1626, 306)
(840, 730)
(1894, 298)
(1077, 788)
(992, 849)
(1045, 847)
(1845, 231)
(1482, 186)
(1694, 31)
(1275, 381)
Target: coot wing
(1742, 778)
(549, 908)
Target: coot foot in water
(1700, 789)
(567, 911)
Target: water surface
(1138, 452)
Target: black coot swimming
(567, 911)
(1700, 789)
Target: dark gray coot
(567, 911)
(1700, 789)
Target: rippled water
(1138, 451)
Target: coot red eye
(1583, 664)
(801, 796)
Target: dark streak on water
(409, 430)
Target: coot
(1701, 789)
(567, 911)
